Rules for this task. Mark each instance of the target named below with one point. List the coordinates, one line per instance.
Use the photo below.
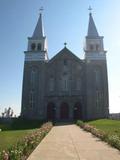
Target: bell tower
(37, 44)
(36, 58)
(96, 73)
(94, 47)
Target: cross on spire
(90, 9)
(92, 30)
(41, 10)
(65, 44)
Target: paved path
(69, 142)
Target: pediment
(65, 53)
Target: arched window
(39, 47)
(98, 78)
(65, 62)
(33, 77)
(91, 47)
(51, 84)
(78, 84)
(97, 47)
(31, 99)
(65, 83)
(33, 46)
(99, 99)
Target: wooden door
(77, 114)
(64, 111)
(50, 111)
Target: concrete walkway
(69, 142)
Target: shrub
(80, 123)
(87, 127)
(4, 127)
(114, 140)
(24, 147)
(98, 133)
(20, 123)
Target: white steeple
(37, 44)
(92, 30)
(94, 48)
(39, 29)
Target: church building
(65, 87)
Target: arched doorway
(50, 111)
(77, 111)
(64, 111)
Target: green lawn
(109, 126)
(8, 138)
(15, 131)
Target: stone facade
(65, 87)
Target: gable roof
(65, 52)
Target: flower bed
(113, 140)
(24, 147)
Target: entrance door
(50, 111)
(64, 111)
(77, 112)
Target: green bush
(20, 123)
(5, 127)
(88, 127)
(80, 123)
(114, 140)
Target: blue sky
(64, 20)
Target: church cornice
(93, 37)
(32, 38)
(32, 52)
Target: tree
(8, 113)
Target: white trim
(95, 56)
(35, 57)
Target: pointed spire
(39, 30)
(92, 30)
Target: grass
(111, 127)
(26, 145)
(15, 131)
(9, 138)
